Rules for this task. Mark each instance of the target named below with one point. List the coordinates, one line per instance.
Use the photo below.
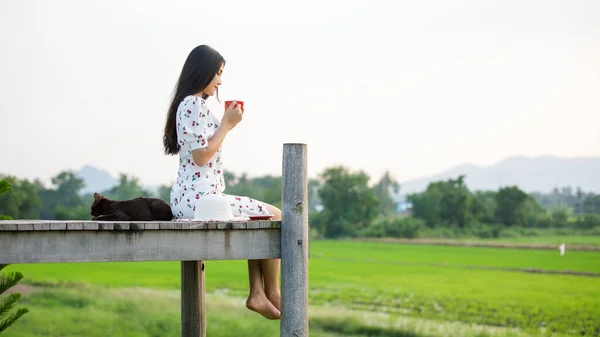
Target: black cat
(138, 209)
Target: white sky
(414, 87)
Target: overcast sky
(413, 87)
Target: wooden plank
(90, 226)
(151, 226)
(122, 226)
(148, 245)
(238, 225)
(136, 226)
(294, 242)
(224, 225)
(58, 226)
(198, 226)
(25, 227)
(41, 226)
(166, 225)
(74, 225)
(68, 225)
(106, 226)
(193, 299)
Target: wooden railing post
(294, 242)
(193, 301)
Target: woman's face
(215, 83)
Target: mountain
(531, 174)
(96, 180)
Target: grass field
(92, 311)
(405, 282)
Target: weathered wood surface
(117, 242)
(193, 299)
(294, 242)
(70, 225)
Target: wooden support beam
(294, 242)
(193, 299)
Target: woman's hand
(232, 116)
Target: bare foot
(261, 304)
(274, 298)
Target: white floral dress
(195, 126)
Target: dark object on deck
(138, 209)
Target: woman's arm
(202, 156)
(231, 117)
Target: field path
(466, 243)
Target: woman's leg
(263, 274)
(257, 300)
(271, 267)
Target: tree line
(343, 203)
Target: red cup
(228, 103)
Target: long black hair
(199, 69)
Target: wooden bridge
(192, 243)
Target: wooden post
(294, 242)
(193, 300)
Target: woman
(196, 134)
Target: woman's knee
(273, 210)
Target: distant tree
(265, 188)
(427, 205)
(49, 198)
(588, 221)
(68, 186)
(239, 185)
(580, 197)
(534, 213)
(383, 190)
(230, 178)
(560, 216)
(5, 187)
(164, 193)
(484, 206)
(128, 188)
(456, 201)
(561, 197)
(63, 201)
(20, 199)
(349, 203)
(511, 201)
(444, 202)
(591, 203)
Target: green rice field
(356, 288)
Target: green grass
(584, 261)
(400, 280)
(91, 311)
(96, 312)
